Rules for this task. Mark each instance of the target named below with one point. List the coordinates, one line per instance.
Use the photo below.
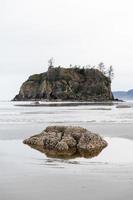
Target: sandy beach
(28, 174)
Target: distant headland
(64, 84)
(124, 95)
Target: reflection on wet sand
(70, 155)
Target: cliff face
(67, 84)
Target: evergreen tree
(102, 68)
(51, 62)
(111, 72)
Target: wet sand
(28, 174)
(22, 131)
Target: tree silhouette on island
(75, 83)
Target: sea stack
(67, 84)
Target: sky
(74, 32)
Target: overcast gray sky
(72, 31)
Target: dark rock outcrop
(67, 142)
(67, 84)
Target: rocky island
(67, 142)
(74, 84)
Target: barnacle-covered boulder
(67, 142)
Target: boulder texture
(76, 84)
(67, 142)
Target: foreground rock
(67, 142)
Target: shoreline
(39, 103)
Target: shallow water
(21, 122)
(10, 114)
